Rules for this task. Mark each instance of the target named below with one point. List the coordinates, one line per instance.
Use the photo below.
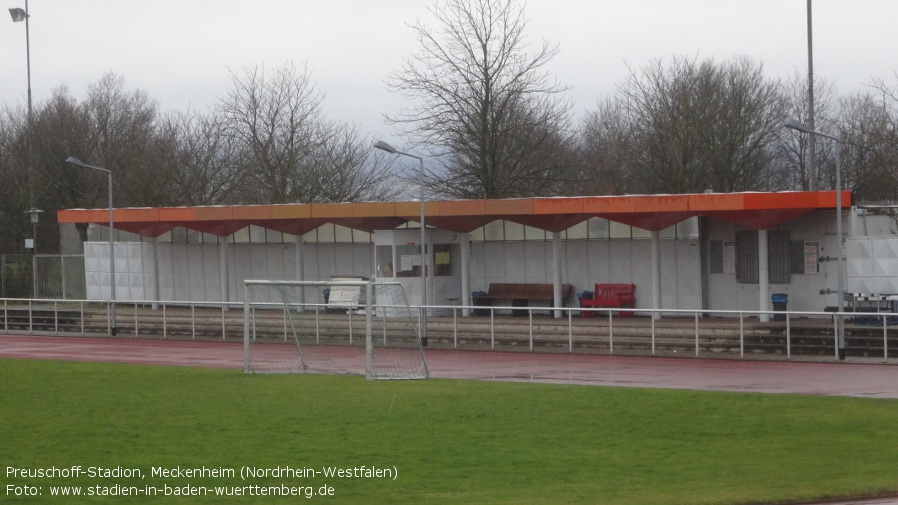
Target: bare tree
(63, 128)
(690, 126)
(348, 170)
(484, 103)
(201, 161)
(868, 128)
(274, 122)
(123, 123)
(791, 150)
(282, 143)
(605, 148)
(14, 169)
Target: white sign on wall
(812, 257)
(729, 257)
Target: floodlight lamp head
(383, 146)
(75, 161)
(795, 124)
(18, 14)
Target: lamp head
(75, 161)
(380, 144)
(795, 124)
(18, 14)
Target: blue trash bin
(780, 302)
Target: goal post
(333, 327)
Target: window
(779, 256)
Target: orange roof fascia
(767, 201)
(331, 210)
(462, 207)
(558, 206)
(291, 211)
(133, 215)
(373, 209)
(609, 204)
(178, 214)
(214, 214)
(251, 212)
(522, 206)
(412, 210)
(551, 214)
(73, 216)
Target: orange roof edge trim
(560, 208)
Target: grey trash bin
(780, 302)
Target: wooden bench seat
(610, 296)
(520, 294)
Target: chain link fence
(58, 276)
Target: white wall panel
(620, 262)
(512, 262)
(599, 262)
(538, 261)
(872, 265)
(577, 261)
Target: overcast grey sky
(180, 51)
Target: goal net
(337, 327)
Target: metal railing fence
(699, 333)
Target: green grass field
(450, 441)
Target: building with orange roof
(693, 251)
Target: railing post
(317, 326)
(164, 323)
(570, 330)
(454, 328)
(836, 333)
(885, 339)
(741, 337)
(788, 337)
(610, 334)
(223, 331)
(530, 317)
(696, 334)
(653, 332)
(492, 329)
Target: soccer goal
(338, 327)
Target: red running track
(833, 379)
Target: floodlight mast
(383, 146)
(75, 161)
(797, 125)
(18, 15)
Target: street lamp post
(77, 162)
(840, 320)
(380, 144)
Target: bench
(610, 296)
(521, 294)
